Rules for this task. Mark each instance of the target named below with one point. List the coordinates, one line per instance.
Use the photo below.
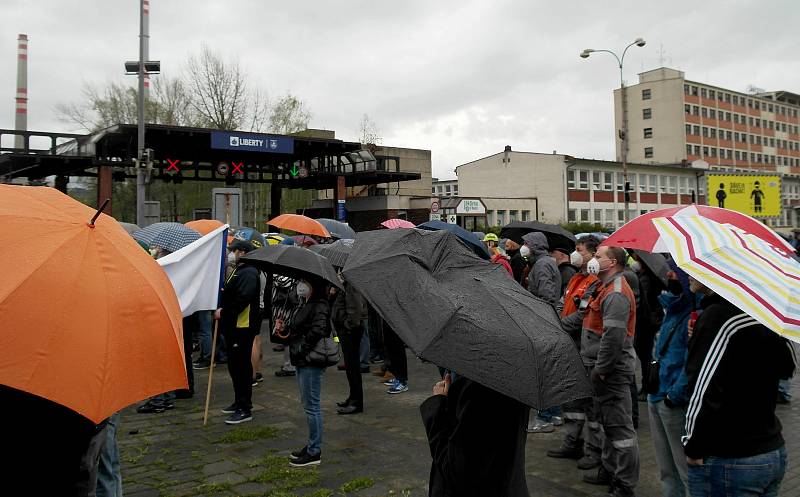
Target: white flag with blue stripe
(196, 271)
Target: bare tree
(174, 104)
(368, 133)
(289, 115)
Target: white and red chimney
(21, 107)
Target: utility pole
(141, 185)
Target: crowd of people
(711, 375)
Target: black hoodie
(733, 365)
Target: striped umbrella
(741, 267)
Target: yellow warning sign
(754, 195)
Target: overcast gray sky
(461, 78)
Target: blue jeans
(109, 478)
(205, 320)
(759, 475)
(309, 379)
(364, 351)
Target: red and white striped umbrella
(641, 233)
(397, 223)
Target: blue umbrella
(464, 235)
(338, 229)
(168, 236)
(251, 235)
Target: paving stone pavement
(382, 452)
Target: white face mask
(576, 259)
(303, 290)
(232, 258)
(593, 266)
(524, 251)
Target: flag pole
(211, 370)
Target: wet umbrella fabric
(292, 261)
(467, 237)
(300, 224)
(338, 229)
(169, 236)
(336, 252)
(656, 263)
(251, 235)
(465, 314)
(130, 227)
(557, 236)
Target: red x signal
(237, 167)
(173, 164)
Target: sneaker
(601, 477)
(230, 409)
(298, 453)
(390, 383)
(282, 373)
(306, 460)
(398, 387)
(255, 383)
(557, 421)
(201, 364)
(259, 377)
(239, 416)
(150, 408)
(539, 426)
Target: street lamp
(623, 133)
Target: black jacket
(348, 310)
(477, 438)
(733, 366)
(309, 325)
(241, 306)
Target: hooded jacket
(544, 279)
(672, 362)
(734, 365)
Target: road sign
(434, 207)
(302, 172)
(452, 219)
(435, 217)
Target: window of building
(696, 130)
(653, 183)
(728, 135)
(501, 218)
(571, 179)
(686, 89)
(455, 190)
(683, 185)
(648, 152)
(703, 93)
(713, 132)
(736, 155)
(673, 184)
(751, 121)
(705, 131)
(642, 182)
(648, 132)
(447, 188)
(608, 181)
(433, 191)
(609, 216)
(512, 216)
(646, 94)
(697, 150)
(728, 116)
(772, 142)
(758, 123)
(571, 215)
(704, 112)
(711, 94)
(688, 150)
(695, 110)
(705, 151)
(585, 215)
(583, 180)
(694, 91)
(687, 108)
(526, 215)
(688, 129)
(598, 214)
(621, 182)
(647, 113)
(713, 151)
(712, 113)
(489, 217)
(595, 180)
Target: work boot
(620, 491)
(600, 477)
(588, 462)
(566, 453)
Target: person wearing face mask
(667, 405)
(515, 259)
(576, 297)
(565, 267)
(239, 322)
(607, 348)
(310, 324)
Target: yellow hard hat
(490, 237)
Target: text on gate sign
(251, 142)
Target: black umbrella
(557, 236)
(465, 236)
(337, 229)
(336, 252)
(656, 263)
(295, 262)
(465, 314)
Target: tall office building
(671, 119)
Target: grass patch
(322, 492)
(280, 493)
(212, 488)
(277, 472)
(196, 454)
(160, 463)
(137, 454)
(247, 435)
(356, 484)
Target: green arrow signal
(294, 171)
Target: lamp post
(623, 133)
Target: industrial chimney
(21, 108)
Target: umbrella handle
(99, 210)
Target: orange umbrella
(204, 226)
(89, 320)
(300, 224)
